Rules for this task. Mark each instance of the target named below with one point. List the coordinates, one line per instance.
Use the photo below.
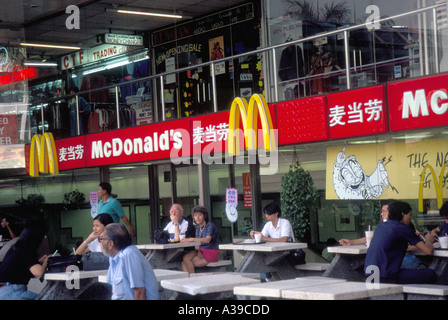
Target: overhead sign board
(123, 39)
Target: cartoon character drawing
(351, 182)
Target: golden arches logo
(248, 113)
(438, 185)
(43, 155)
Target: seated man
(389, 245)
(179, 225)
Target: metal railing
(269, 53)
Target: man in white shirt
(276, 229)
(178, 224)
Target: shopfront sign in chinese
(71, 153)
(418, 103)
(358, 112)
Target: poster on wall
(399, 170)
(216, 52)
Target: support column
(255, 185)
(204, 184)
(153, 180)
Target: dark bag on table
(60, 264)
(162, 237)
(95, 261)
(296, 257)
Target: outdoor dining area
(342, 279)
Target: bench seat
(425, 291)
(219, 263)
(313, 266)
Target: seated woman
(207, 235)
(21, 264)
(91, 244)
(276, 229)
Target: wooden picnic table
(266, 257)
(166, 256)
(63, 286)
(348, 262)
(316, 288)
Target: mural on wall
(350, 181)
(412, 169)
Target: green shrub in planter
(299, 196)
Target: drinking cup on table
(257, 237)
(369, 236)
(443, 242)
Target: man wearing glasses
(129, 273)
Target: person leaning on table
(384, 217)
(21, 263)
(91, 244)
(129, 273)
(276, 229)
(389, 245)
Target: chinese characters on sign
(71, 153)
(361, 112)
(211, 133)
(356, 112)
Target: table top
(274, 289)
(341, 291)
(264, 247)
(207, 283)
(161, 274)
(2, 243)
(443, 253)
(64, 276)
(164, 246)
(353, 249)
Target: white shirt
(183, 227)
(284, 229)
(94, 246)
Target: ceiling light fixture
(54, 46)
(143, 13)
(41, 63)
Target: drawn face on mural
(351, 182)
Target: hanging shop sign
(418, 103)
(247, 190)
(95, 54)
(123, 39)
(400, 170)
(25, 74)
(43, 155)
(361, 112)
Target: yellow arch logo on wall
(248, 113)
(438, 185)
(43, 155)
